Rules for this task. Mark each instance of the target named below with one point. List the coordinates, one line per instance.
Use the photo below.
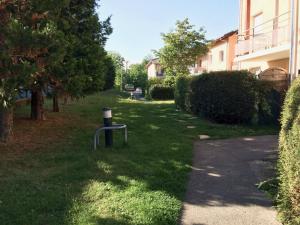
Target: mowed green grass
(62, 181)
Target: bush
(224, 97)
(230, 97)
(169, 81)
(269, 103)
(289, 157)
(182, 92)
(154, 81)
(150, 83)
(160, 92)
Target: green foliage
(119, 62)
(160, 92)
(155, 81)
(269, 103)
(224, 97)
(229, 97)
(151, 82)
(182, 47)
(64, 48)
(110, 74)
(169, 81)
(182, 92)
(29, 41)
(51, 43)
(137, 75)
(64, 183)
(289, 157)
(270, 186)
(84, 65)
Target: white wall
(151, 71)
(215, 64)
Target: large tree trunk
(55, 103)
(6, 124)
(37, 105)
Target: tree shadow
(51, 185)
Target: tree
(182, 47)
(24, 32)
(119, 62)
(49, 40)
(110, 74)
(49, 43)
(137, 75)
(84, 66)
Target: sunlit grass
(64, 182)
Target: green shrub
(289, 158)
(269, 103)
(224, 97)
(154, 81)
(160, 92)
(182, 92)
(151, 82)
(169, 81)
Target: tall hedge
(160, 92)
(182, 92)
(224, 97)
(289, 161)
(269, 103)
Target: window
(221, 56)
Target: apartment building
(154, 69)
(264, 37)
(220, 56)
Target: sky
(138, 24)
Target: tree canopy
(118, 62)
(50, 44)
(182, 46)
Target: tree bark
(66, 99)
(37, 105)
(6, 124)
(55, 103)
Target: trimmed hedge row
(224, 97)
(289, 158)
(232, 97)
(160, 92)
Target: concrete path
(222, 188)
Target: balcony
(271, 35)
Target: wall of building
(260, 66)
(154, 70)
(214, 62)
(268, 9)
(232, 40)
(151, 71)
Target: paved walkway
(222, 189)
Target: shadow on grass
(143, 183)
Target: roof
(153, 61)
(225, 37)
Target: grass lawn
(50, 175)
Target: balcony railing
(273, 33)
